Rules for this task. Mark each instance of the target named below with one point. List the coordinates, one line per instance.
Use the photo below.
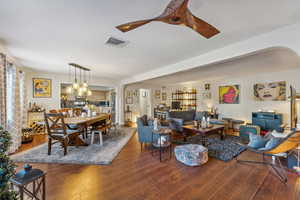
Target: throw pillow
(144, 120)
(150, 122)
(273, 142)
(199, 116)
(268, 136)
(256, 141)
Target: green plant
(7, 167)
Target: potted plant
(7, 167)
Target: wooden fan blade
(202, 27)
(174, 6)
(133, 25)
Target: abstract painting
(272, 91)
(229, 94)
(42, 88)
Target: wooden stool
(98, 130)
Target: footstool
(191, 154)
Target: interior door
(145, 102)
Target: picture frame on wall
(135, 93)
(206, 95)
(128, 93)
(164, 96)
(207, 86)
(157, 94)
(270, 91)
(41, 88)
(129, 100)
(229, 94)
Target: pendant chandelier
(79, 87)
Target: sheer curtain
(13, 105)
(3, 115)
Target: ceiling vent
(112, 41)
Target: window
(10, 92)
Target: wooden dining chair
(58, 131)
(77, 111)
(53, 111)
(65, 111)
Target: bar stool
(99, 131)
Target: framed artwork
(157, 94)
(42, 88)
(207, 86)
(272, 91)
(135, 93)
(164, 96)
(128, 93)
(229, 94)
(206, 95)
(129, 100)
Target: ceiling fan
(176, 13)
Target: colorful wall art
(42, 88)
(272, 91)
(229, 94)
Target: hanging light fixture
(79, 88)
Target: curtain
(3, 90)
(13, 104)
(23, 99)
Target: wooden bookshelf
(187, 99)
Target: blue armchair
(145, 133)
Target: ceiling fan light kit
(176, 13)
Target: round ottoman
(191, 154)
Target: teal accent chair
(145, 133)
(246, 129)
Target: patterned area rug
(92, 154)
(224, 150)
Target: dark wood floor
(136, 175)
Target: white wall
(247, 103)
(57, 79)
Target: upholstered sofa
(178, 119)
(185, 116)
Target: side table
(35, 178)
(163, 142)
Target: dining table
(84, 122)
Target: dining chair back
(57, 131)
(53, 111)
(77, 111)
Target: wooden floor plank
(136, 175)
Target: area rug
(92, 154)
(224, 150)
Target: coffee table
(214, 129)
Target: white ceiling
(264, 61)
(48, 34)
